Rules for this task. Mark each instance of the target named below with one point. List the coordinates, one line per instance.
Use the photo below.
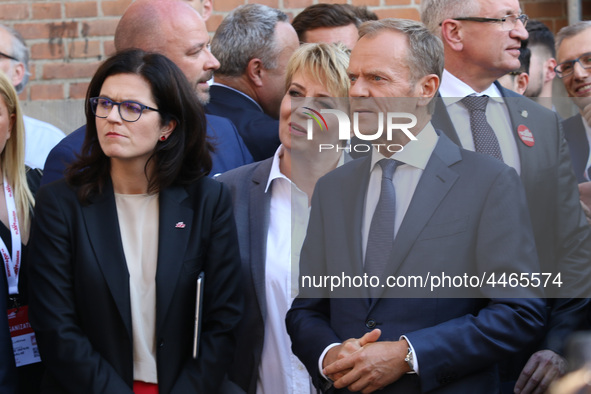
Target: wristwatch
(410, 359)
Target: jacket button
(161, 343)
(371, 324)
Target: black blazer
(79, 293)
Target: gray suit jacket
(251, 212)
(563, 238)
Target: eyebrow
(304, 88)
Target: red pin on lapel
(180, 225)
(525, 135)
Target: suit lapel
(529, 157)
(435, 183)
(442, 121)
(102, 226)
(259, 208)
(172, 244)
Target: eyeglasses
(567, 68)
(130, 111)
(2, 54)
(508, 22)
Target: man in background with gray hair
(481, 41)
(40, 137)
(253, 45)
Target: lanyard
(12, 264)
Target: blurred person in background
(40, 136)
(253, 44)
(327, 23)
(203, 7)
(542, 63)
(19, 184)
(518, 80)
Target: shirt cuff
(321, 359)
(415, 358)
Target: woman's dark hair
(181, 159)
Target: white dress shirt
(453, 90)
(40, 138)
(280, 371)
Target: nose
(114, 115)
(359, 89)
(579, 71)
(211, 63)
(519, 31)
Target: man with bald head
(174, 29)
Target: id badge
(24, 342)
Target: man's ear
(452, 34)
(255, 72)
(18, 73)
(549, 73)
(207, 9)
(427, 88)
(521, 82)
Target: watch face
(409, 359)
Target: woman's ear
(168, 128)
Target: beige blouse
(138, 221)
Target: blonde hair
(12, 158)
(327, 63)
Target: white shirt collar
(415, 153)
(275, 170)
(276, 173)
(453, 89)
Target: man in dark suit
(154, 26)
(253, 44)
(481, 41)
(454, 211)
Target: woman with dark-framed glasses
(120, 243)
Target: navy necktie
(485, 140)
(381, 231)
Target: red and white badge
(24, 342)
(525, 135)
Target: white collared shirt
(453, 90)
(415, 156)
(280, 371)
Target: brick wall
(69, 38)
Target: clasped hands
(364, 364)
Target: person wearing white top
(271, 205)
